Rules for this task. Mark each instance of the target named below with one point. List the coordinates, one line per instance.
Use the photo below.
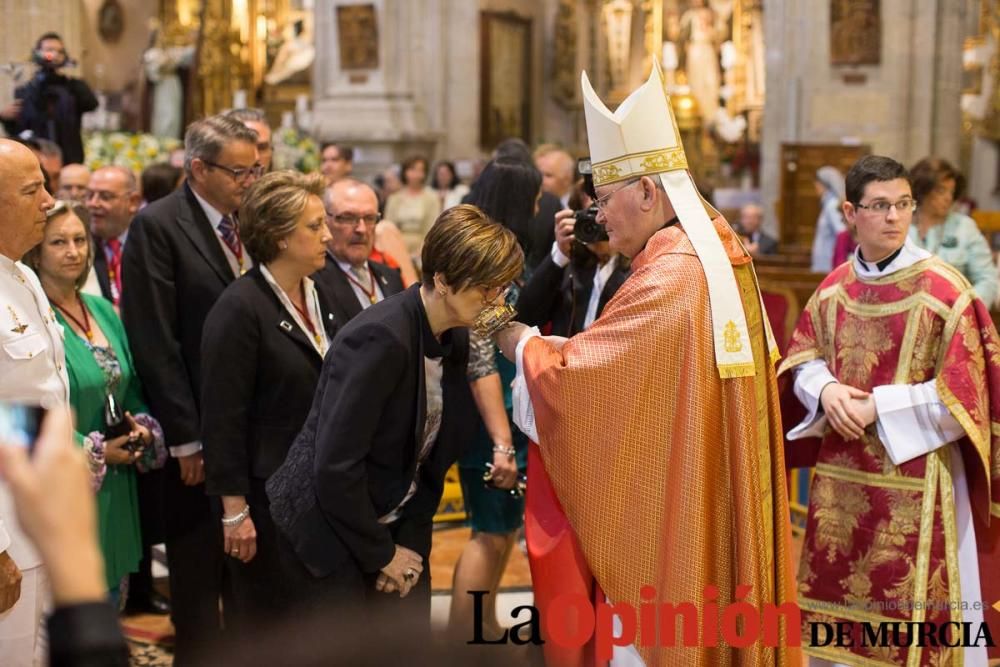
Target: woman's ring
(409, 575)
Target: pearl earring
(283, 245)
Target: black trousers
(256, 587)
(350, 592)
(194, 556)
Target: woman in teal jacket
(953, 237)
(99, 363)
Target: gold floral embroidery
(806, 574)
(904, 518)
(861, 341)
(973, 345)
(888, 654)
(801, 342)
(940, 657)
(838, 507)
(874, 448)
(937, 588)
(918, 282)
(903, 590)
(888, 537)
(926, 346)
(869, 297)
(989, 334)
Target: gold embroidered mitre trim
(639, 139)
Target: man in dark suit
(112, 200)
(182, 252)
(757, 242)
(350, 281)
(573, 283)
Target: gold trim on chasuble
(924, 550)
(755, 327)
(948, 520)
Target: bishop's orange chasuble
(880, 543)
(669, 475)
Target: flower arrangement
(294, 150)
(134, 151)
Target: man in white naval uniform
(32, 368)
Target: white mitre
(641, 139)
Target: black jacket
(542, 233)
(560, 295)
(259, 372)
(101, 268)
(175, 271)
(356, 455)
(53, 105)
(337, 289)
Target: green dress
(117, 500)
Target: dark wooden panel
(799, 202)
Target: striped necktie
(115, 269)
(230, 234)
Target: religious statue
(161, 63)
(296, 54)
(701, 58)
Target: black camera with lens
(586, 228)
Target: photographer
(51, 104)
(574, 282)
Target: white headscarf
(832, 180)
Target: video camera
(586, 229)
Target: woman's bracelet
(508, 451)
(236, 519)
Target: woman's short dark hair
(434, 175)
(871, 168)
(411, 161)
(469, 249)
(271, 208)
(159, 180)
(506, 191)
(926, 174)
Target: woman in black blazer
(356, 497)
(262, 350)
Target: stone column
(395, 108)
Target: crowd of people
(198, 305)
(271, 372)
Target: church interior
(767, 94)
